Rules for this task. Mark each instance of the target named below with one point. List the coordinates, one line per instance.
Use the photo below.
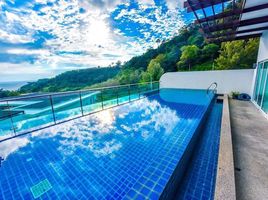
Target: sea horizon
(12, 85)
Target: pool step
(219, 98)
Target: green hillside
(71, 80)
(186, 51)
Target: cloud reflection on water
(103, 133)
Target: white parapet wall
(263, 48)
(227, 80)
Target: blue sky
(41, 38)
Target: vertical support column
(11, 119)
(52, 109)
(81, 103)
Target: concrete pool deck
(250, 144)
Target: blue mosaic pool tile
(128, 155)
(200, 178)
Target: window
(261, 86)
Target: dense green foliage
(189, 55)
(154, 70)
(187, 51)
(71, 80)
(238, 54)
(7, 93)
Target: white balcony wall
(227, 80)
(263, 48)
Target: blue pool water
(126, 152)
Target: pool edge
(171, 187)
(225, 179)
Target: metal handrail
(215, 88)
(53, 106)
(72, 92)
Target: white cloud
(146, 2)
(164, 26)
(174, 4)
(14, 38)
(24, 71)
(90, 32)
(28, 51)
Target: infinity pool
(127, 152)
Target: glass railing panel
(109, 97)
(134, 92)
(265, 98)
(123, 93)
(145, 88)
(261, 88)
(258, 80)
(91, 101)
(66, 106)
(6, 127)
(31, 113)
(155, 86)
(264, 102)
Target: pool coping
(225, 180)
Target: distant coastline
(12, 85)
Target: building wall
(261, 89)
(227, 80)
(263, 48)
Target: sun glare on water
(106, 117)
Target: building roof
(225, 20)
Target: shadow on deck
(250, 145)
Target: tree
(146, 77)
(118, 64)
(7, 93)
(237, 54)
(189, 55)
(210, 51)
(71, 80)
(160, 58)
(196, 40)
(129, 76)
(154, 71)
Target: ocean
(12, 85)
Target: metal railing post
(81, 103)
(101, 99)
(52, 109)
(117, 96)
(139, 92)
(129, 93)
(11, 119)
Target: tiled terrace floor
(250, 143)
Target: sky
(42, 38)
